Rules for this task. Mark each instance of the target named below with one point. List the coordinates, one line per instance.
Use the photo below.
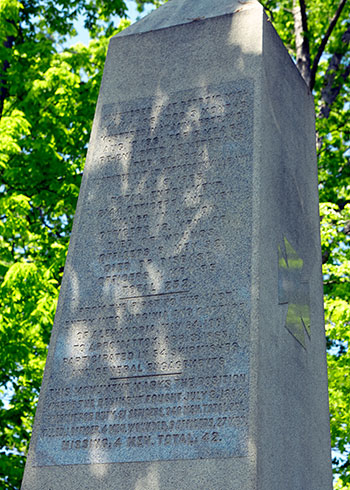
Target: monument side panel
(155, 355)
(293, 426)
(149, 380)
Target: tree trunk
(301, 40)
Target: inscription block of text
(154, 358)
(188, 347)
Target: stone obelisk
(188, 350)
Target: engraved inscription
(151, 360)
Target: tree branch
(301, 39)
(330, 91)
(324, 41)
(270, 13)
(3, 82)
(331, 86)
(325, 256)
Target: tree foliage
(48, 94)
(47, 100)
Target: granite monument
(188, 350)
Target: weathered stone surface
(188, 349)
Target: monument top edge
(177, 12)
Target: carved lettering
(152, 353)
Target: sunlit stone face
(188, 350)
(153, 361)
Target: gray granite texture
(188, 349)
